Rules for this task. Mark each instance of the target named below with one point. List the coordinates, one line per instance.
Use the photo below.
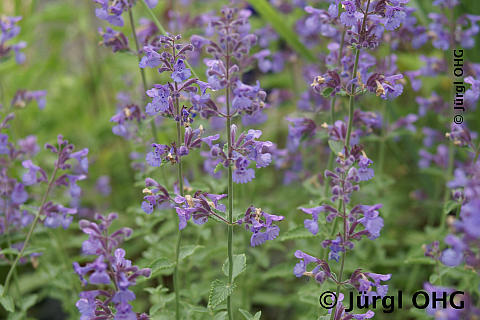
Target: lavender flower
(9, 30)
(261, 225)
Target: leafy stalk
(32, 228)
(229, 189)
(331, 157)
(179, 232)
(142, 71)
(347, 146)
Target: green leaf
(219, 291)
(249, 316)
(7, 303)
(285, 31)
(161, 264)
(222, 315)
(420, 260)
(239, 265)
(296, 233)
(27, 252)
(187, 251)
(336, 146)
(218, 167)
(29, 301)
(436, 276)
(450, 206)
(327, 92)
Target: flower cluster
(9, 30)
(192, 139)
(199, 206)
(261, 225)
(111, 269)
(462, 242)
(229, 58)
(127, 118)
(244, 149)
(18, 209)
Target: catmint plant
(15, 194)
(363, 24)
(230, 54)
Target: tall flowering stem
(55, 215)
(230, 185)
(332, 112)
(142, 71)
(347, 144)
(30, 231)
(176, 284)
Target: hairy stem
(176, 283)
(229, 189)
(142, 71)
(342, 262)
(383, 141)
(331, 157)
(347, 146)
(352, 101)
(30, 232)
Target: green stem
(448, 176)
(347, 144)
(342, 263)
(229, 189)
(176, 283)
(383, 141)
(331, 157)
(30, 232)
(163, 31)
(476, 155)
(142, 71)
(352, 100)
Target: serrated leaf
(336, 146)
(161, 264)
(278, 23)
(219, 291)
(7, 303)
(239, 265)
(249, 316)
(187, 251)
